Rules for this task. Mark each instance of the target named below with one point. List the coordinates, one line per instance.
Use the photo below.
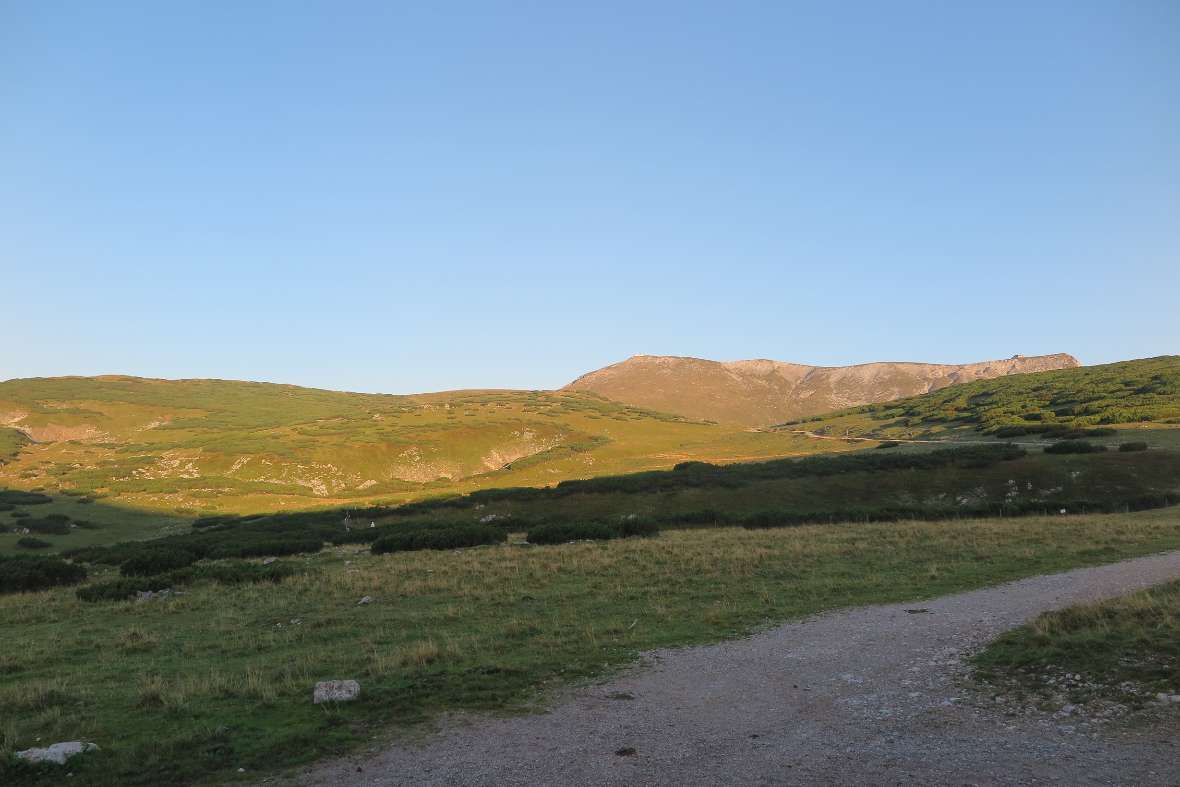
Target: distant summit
(761, 392)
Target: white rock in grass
(365, 600)
(57, 753)
(336, 691)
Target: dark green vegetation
(193, 687)
(25, 573)
(1074, 447)
(226, 572)
(14, 497)
(52, 524)
(32, 543)
(453, 537)
(564, 532)
(1067, 403)
(973, 480)
(868, 486)
(1126, 649)
(1135, 445)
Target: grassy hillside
(762, 392)
(948, 483)
(191, 688)
(1139, 395)
(190, 447)
(1124, 650)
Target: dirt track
(867, 696)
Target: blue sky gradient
(406, 197)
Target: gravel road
(867, 696)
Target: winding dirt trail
(866, 696)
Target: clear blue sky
(417, 196)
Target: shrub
(767, 519)
(32, 543)
(23, 498)
(636, 526)
(233, 572)
(1074, 434)
(230, 572)
(157, 560)
(1011, 431)
(438, 538)
(1137, 445)
(48, 525)
(262, 546)
(119, 589)
(703, 516)
(564, 532)
(1074, 447)
(22, 573)
(889, 444)
(214, 521)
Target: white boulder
(57, 753)
(336, 691)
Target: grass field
(193, 687)
(1125, 650)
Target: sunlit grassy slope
(1140, 398)
(198, 446)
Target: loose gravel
(867, 696)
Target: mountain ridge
(761, 391)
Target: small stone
(1168, 697)
(626, 751)
(365, 600)
(336, 691)
(58, 753)
(269, 560)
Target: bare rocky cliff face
(763, 392)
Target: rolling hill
(1141, 395)
(762, 393)
(196, 446)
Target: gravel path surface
(865, 696)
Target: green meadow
(188, 689)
